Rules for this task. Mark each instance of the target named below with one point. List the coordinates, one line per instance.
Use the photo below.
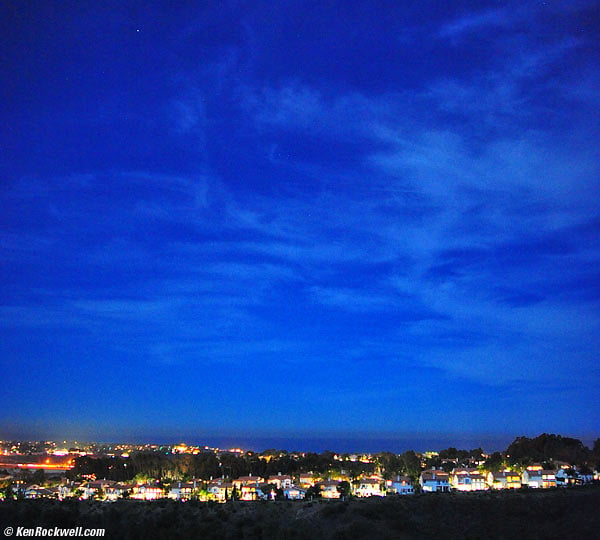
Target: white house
(182, 491)
(294, 493)
(116, 491)
(504, 480)
(329, 489)
(467, 479)
(221, 491)
(369, 487)
(434, 481)
(402, 485)
(538, 478)
(282, 481)
(247, 481)
(569, 477)
(65, 490)
(95, 488)
(147, 492)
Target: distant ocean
(342, 443)
(357, 444)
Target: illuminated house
(147, 492)
(562, 478)
(294, 493)
(402, 485)
(568, 477)
(548, 478)
(247, 481)
(369, 487)
(182, 491)
(504, 480)
(115, 491)
(252, 493)
(308, 479)
(467, 479)
(281, 481)
(39, 492)
(329, 489)
(97, 488)
(539, 478)
(221, 492)
(65, 491)
(434, 481)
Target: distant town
(149, 472)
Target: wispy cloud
(475, 22)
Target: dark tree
(411, 465)
(39, 477)
(494, 462)
(313, 492)
(344, 488)
(548, 447)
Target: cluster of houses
(472, 479)
(245, 488)
(252, 488)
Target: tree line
(546, 448)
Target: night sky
(299, 219)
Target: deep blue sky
(299, 219)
